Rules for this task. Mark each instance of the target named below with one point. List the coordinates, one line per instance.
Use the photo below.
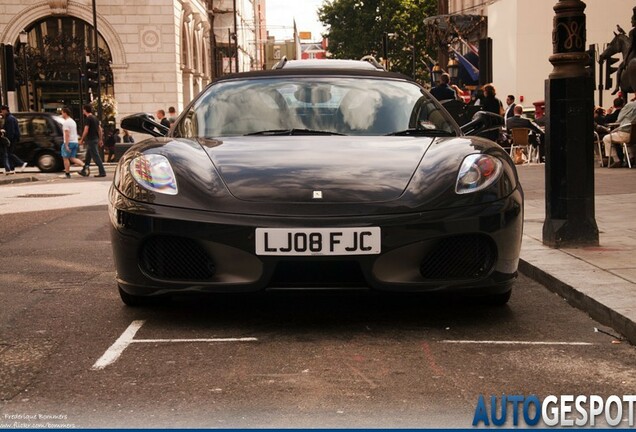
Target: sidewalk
(33, 190)
(598, 280)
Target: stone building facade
(521, 33)
(153, 53)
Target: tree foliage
(356, 28)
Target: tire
(500, 299)
(47, 162)
(134, 300)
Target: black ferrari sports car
(319, 175)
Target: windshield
(320, 105)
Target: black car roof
(326, 71)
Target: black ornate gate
(53, 64)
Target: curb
(595, 309)
(17, 180)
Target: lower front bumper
(161, 250)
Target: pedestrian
(510, 109)
(4, 152)
(93, 138)
(112, 138)
(172, 115)
(12, 132)
(128, 138)
(490, 101)
(71, 144)
(161, 116)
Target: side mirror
(144, 123)
(483, 121)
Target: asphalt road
(285, 360)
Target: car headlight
(153, 172)
(477, 172)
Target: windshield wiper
(421, 132)
(293, 131)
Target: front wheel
(499, 299)
(135, 300)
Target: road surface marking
(127, 337)
(493, 342)
(430, 358)
(112, 354)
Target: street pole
(24, 41)
(26, 79)
(99, 78)
(385, 49)
(569, 168)
(600, 82)
(414, 56)
(80, 84)
(236, 51)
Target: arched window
(53, 63)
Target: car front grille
(459, 257)
(176, 258)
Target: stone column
(569, 169)
(188, 85)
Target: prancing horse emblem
(317, 194)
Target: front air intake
(176, 258)
(459, 257)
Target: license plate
(318, 241)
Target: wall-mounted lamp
(436, 73)
(453, 68)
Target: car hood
(316, 168)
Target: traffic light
(609, 71)
(92, 74)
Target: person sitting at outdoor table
(443, 91)
(600, 122)
(621, 134)
(603, 121)
(614, 111)
(536, 133)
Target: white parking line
(112, 354)
(493, 342)
(127, 337)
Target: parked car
(41, 138)
(315, 177)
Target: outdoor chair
(599, 146)
(521, 140)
